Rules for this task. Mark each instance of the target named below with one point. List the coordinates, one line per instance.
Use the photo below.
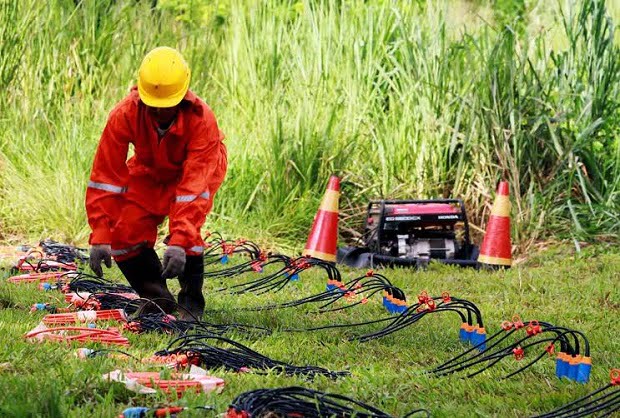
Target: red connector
(423, 297)
(533, 328)
(517, 322)
(519, 353)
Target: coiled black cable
(297, 401)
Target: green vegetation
(574, 290)
(403, 99)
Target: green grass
(561, 286)
(403, 99)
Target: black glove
(99, 253)
(174, 262)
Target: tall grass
(402, 99)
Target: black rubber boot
(143, 272)
(190, 296)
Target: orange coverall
(175, 175)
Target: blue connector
(46, 286)
(573, 366)
(478, 336)
(465, 333)
(388, 305)
(561, 366)
(224, 259)
(583, 370)
(399, 308)
(135, 412)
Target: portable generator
(411, 233)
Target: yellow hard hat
(163, 78)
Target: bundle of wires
(219, 250)
(254, 265)
(515, 340)
(201, 350)
(168, 324)
(290, 272)
(107, 300)
(84, 282)
(355, 292)
(297, 401)
(471, 318)
(472, 329)
(159, 321)
(63, 252)
(42, 264)
(604, 402)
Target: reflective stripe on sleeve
(107, 187)
(196, 249)
(186, 198)
(127, 250)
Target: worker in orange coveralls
(179, 164)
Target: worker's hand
(99, 253)
(174, 262)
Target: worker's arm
(193, 199)
(108, 179)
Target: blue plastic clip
(561, 366)
(224, 259)
(583, 370)
(479, 339)
(572, 369)
(135, 412)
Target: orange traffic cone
(323, 238)
(496, 249)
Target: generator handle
(394, 202)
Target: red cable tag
(615, 377)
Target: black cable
(236, 356)
(299, 401)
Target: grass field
(560, 286)
(402, 99)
